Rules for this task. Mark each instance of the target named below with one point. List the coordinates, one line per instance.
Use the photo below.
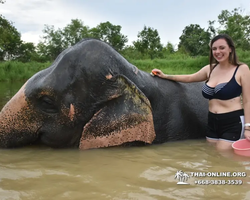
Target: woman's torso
(223, 89)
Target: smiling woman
(226, 79)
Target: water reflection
(146, 173)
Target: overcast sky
(169, 17)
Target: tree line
(194, 40)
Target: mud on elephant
(91, 97)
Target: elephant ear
(126, 116)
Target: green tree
(170, 48)
(195, 40)
(111, 34)
(10, 40)
(27, 52)
(52, 43)
(211, 29)
(149, 42)
(75, 32)
(129, 52)
(237, 25)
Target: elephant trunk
(15, 127)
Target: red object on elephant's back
(154, 72)
(242, 147)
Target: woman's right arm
(201, 75)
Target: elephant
(92, 97)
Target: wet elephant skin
(92, 97)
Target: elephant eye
(48, 105)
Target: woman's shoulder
(243, 67)
(207, 66)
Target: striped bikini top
(223, 91)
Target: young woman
(225, 80)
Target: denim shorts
(226, 126)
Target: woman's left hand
(247, 134)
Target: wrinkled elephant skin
(91, 97)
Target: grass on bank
(183, 66)
(17, 71)
(174, 64)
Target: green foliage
(169, 48)
(211, 29)
(52, 43)
(130, 52)
(194, 40)
(55, 41)
(149, 42)
(18, 71)
(237, 25)
(175, 63)
(75, 32)
(168, 51)
(27, 52)
(11, 45)
(172, 66)
(111, 34)
(10, 40)
(243, 56)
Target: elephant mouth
(34, 138)
(38, 133)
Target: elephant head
(82, 100)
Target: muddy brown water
(147, 173)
